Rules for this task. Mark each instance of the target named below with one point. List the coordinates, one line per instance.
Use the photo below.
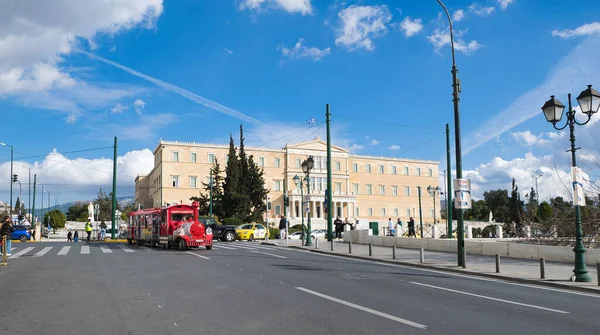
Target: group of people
(88, 230)
(411, 227)
(339, 226)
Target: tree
(231, 188)
(130, 207)
(105, 204)
(56, 218)
(497, 202)
(17, 204)
(544, 211)
(77, 212)
(246, 190)
(217, 193)
(479, 211)
(255, 188)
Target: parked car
(251, 232)
(318, 233)
(21, 233)
(295, 236)
(225, 233)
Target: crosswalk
(101, 249)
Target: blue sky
(73, 76)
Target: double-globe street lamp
(299, 184)
(433, 191)
(307, 166)
(589, 101)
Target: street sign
(578, 195)
(462, 193)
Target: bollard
(542, 268)
(598, 272)
(394, 251)
(349, 247)
(331, 244)
(497, 263)
(422, 255)
(370, 249)
(316, 243)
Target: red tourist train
(170, 226)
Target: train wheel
(182, 245)
(208, 247)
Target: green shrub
(232, 221)
(273, 232)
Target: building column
(348, 212)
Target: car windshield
(246, 226)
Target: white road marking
(224, 247)
(125, 248)
(494, 299)
(473, 277)
(364, 309)
(21, 253)
(105, 249)
(195, 254)
(42, 252)
(266, 253)
(244, 247)
(85, 249)
(63, 251)
(266, 248)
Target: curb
(464, 272)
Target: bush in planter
(232, 221)
(273, 232)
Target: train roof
(159, 209)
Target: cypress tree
(231, 187)
(256, 190)
(245, 189)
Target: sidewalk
(521, 270)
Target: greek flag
(311, 120)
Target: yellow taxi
(251, 232)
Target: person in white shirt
(390, 227)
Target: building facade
(365, 187)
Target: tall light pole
(300, 185)
(210, 207)
(589, 101)
(307, 166)
(12, 152)
(456, 99)
(433, 191)
(537, 195)
(29, 193)
(420, 212)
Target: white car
(295, 236)
(318, 233)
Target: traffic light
(14, 178)
(286, 201)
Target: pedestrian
(88, 229)
(69, 236)
(102, 230)
(411, 228)
(282, 225)
(390, 227)
(76, 236)
(398, 227)
(338, 227)
(7, 230)
(346, 222)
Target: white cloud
(34, 40)
(528, 139)
(139, 106)
(441, 38)
(586, 29)
(300, 51)
(374, 141)
(479, 10)
(411, 27)
(458, 15)
(576, 69)
(118, 109)
(355, 148)
(303, 7)
(504, 3)
(227, 51)
(394, 147)
(359, 24)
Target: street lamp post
(29, 192)
(433, 191)
(210, 208)
(300, 185)
(307, 166)
(589, 101)
(12, 151)
(537, 195)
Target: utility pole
(448, 185)
(329, 177)
(114, 192)
(420, 211)
(285, 206)
(267, 217)
(33, 203)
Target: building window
(407, 191)
(418, 171)
(381, 169)
(408, 212)
(382, 189)
(355, 167)
(383, 212)
(369, 189)
(395, 190)
(357, 212)
(211, 158)
(318, 163)
(193, 157)
(261, 161)
(298, 163)
(175, 156)
(338, 166)
(193, 182)
(396, 212)
(369, 168)
(394, 170)
(338, 187)
(276, 162)
(370, 211)
(277, 185)
(277, 210)
(355, 186)
(175, 181)
(406, 170)
(430, 172)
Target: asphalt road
(243, 288)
